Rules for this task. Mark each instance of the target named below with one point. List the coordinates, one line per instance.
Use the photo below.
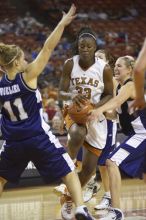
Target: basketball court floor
(40, 203)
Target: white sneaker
(113, 214)
(82, 213)
(105, 203)
(91, 190)
(67, 211)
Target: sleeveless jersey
(128, 121)
(22, 114)
(88, 82)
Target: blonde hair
(129, 61)
(8, 53)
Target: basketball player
(92, 186)
(86, 77)
(139, 79)
(130, 156)
(27, 136)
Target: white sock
(74, 160)
(107, 194)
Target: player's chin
(117, 76)
(86, 56)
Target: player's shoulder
(72, 59)
(129, 85)
(69, 63)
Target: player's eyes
(83, 46)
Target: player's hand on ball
(79, 114)
(79, 99)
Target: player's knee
(77, 133)
(110, 163)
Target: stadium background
(119, 25)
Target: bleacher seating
(118, 22)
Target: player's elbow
(110, 96)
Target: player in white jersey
(27, 136)
(130, 155)
(86, 77)
(92, 186)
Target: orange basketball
(80, 114)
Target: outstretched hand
(138, 103)
(95, 115)
(69, 16)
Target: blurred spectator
(121, 36)
(111, 29)
(132, 50)
(110, 38)
(45, 116)
(29, 21)
(126, 16)
(92, 14)
(102, 15)
(51, 108)
(114, 14)
(58, 122)
(133, 11)
(82, 15)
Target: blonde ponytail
(8, 53)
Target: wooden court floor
(40, 203)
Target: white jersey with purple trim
(88, 82)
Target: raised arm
(36, 67)
(65, 81)
(139, 75)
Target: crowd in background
(112, 21)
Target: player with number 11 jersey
(22, 106)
